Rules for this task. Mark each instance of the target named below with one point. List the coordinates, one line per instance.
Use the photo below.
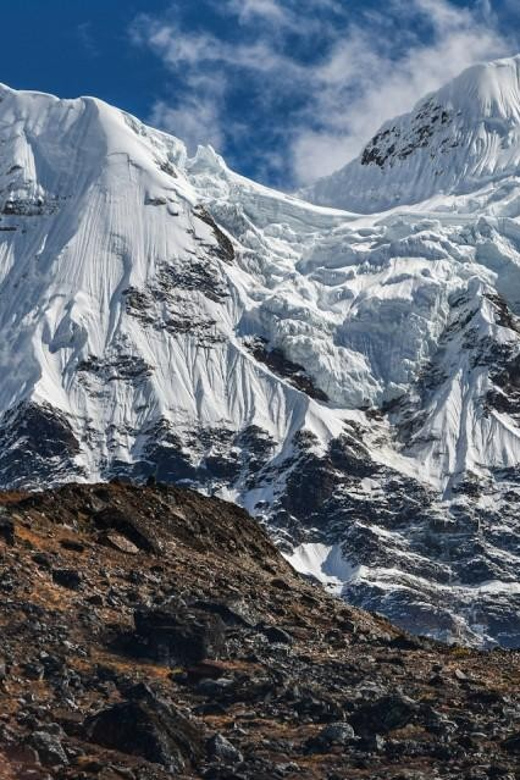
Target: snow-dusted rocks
(352, 380)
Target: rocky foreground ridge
(150, 633)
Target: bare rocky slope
(150, 633)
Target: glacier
(344, 362)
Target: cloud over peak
(301, 86)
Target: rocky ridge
(151, 632)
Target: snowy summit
(454, 142)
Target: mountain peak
(485, 90)
(455, 141)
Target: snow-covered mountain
(353, 380)
(454, 142)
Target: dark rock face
(276, 361)
(176, 637)
(383, 715)
(391, 144)
(30, 207)
(126, 368)
(196, 277)
(7, 530)
(67, 578)
(37, 445)
(208, 458)
(157, 306)
(166, 456)
(164, 304)
(114, 519)
(148, 727)
(224, 250)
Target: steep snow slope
(352, 380)
(453, 142)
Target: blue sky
(287, 90)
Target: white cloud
(382, 85)
(194, 121)
(200, 51)
(367, 72)
(303, 17)
(207, 66)
(247, 10)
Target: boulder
(512, 743)
(237, 613)
(67, 578)
(119, 542)
(133, 529)
(277, 636)
(383, 715)
(179, 637)
(49, 749)
(335, 734)
(223, 750)
(147, 726)
(7, 531)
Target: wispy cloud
(87, 38)
(250, 10)
(194, 121)
(207, 69)
(320, 78)
(364, 82)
